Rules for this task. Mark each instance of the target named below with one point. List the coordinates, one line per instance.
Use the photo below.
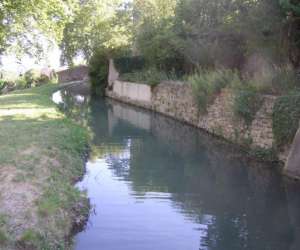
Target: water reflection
(159, 184)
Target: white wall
(113, 74)
(133, 91)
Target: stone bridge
(78, 73)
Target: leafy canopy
(24, 24)
(97, 24)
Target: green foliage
(32, 77)
(246, 104)
(3, 237)
(224, 32)
(3, 233)
(286, 117)
(284, 80)
(247, 99)
(155, 36)
(21, 83)
(3, 220)
(97, 25)
(129, 64)
(151, 76)
(22, 23)
(32, 239)
(264, 154)
(290, 5)
(156, 42)
(43, 79)
(53, 199)
(207, 84)
(98, 71)
(2, 83)
(276, 80)
(55, 207)
(184, 34)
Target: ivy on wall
(286, 117)
(246, 104)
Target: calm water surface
(157, 184)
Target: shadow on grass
(35, 97)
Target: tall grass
(207, 84)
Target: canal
(157, 184)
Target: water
(157, 184)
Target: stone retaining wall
(176, 100)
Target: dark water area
(157, 184)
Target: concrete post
(292, 166)
(113, 74)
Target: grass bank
(41, 156)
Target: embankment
(176, 100)
(41, 156)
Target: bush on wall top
(128, 64)
(207, 84)
(246, 104)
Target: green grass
(41, 154)
(208, 84)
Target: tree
(291, 9)
(291, 6)
(24, 24)
(97, 24)
(224, 32)
(154, 33)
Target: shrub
(207, 84)
(285, 80)
(21, 83)
(98, 71)
(54, 78)
(246, 103)
(129, 64)
(264, 154)
(2, 84)
(3, 237)
(277, 80)
(286, 116)
(32, 77)
(43, 79)
(151, 76)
